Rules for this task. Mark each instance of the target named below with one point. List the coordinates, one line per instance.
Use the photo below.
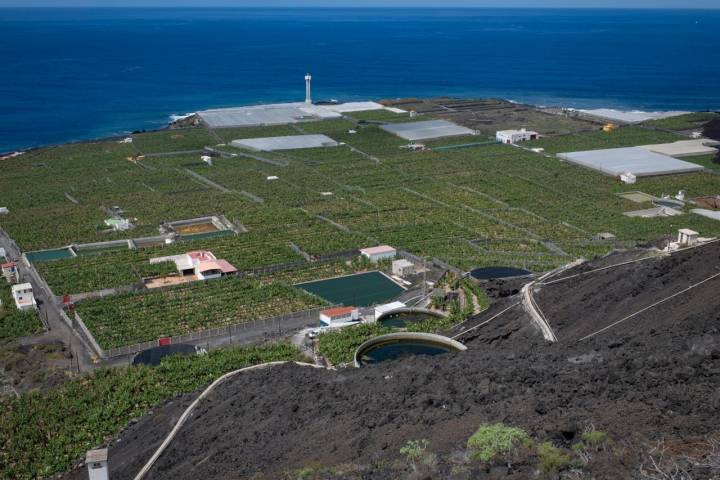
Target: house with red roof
(339, 316)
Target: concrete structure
(308, 96)
(604, 236)
(653, 212)
(515, 136)
(290, 142)
(4, 210)
(638, 161)
(339, 316)
(375, 254)
(97, 464)
(403, 268)
(685, 148)
(118, 224)
(408, 337)
(22, 293)
(687, 237)
(426, 130)
(628, 178)
(381, 310)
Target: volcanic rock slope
(650, 378)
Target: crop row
(139, 317)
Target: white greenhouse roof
(273, 114)
(635, 160)
(354, 107)
(426, 130)
(291, 142)
(684, 148)
(633, 116)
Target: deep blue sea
(69, 74)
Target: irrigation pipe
(184, 417)
(485, 322)
(650, 306)
(627, 263)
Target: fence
(273, 326)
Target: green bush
(595, 439)
(552, 459)
(490, 441)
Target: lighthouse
(308, 98)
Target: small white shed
(403, 268)
(628, 178)
(375, 254)
(97, 464)
(687, 237)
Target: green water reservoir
(360, 290)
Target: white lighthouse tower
(308, 97)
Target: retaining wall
(253, 330)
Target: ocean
(72, 74)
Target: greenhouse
(426, 130)
(637, 160)
(292, 142)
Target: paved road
(49, 311)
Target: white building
(628, 178)
(375, 254)
(203, 264)
(23, 295)
(403, 268)
(97, 464)
(515, 136)
(687, 237)
(381, 310)
(339, 316)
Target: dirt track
(654, 378)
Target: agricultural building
(638, 161)
(515, 136)
(426, 130)
(628, 178)
(687, 237)
(291, 142)
(403, 268)
(685, 148)
(339, 316)
(375, 254)
(272, 114)
(381, 310)
(22, 293)
(201, 264)
(635, 116)
(653, 212)
(10, 271)
(97, 464)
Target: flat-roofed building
(339, 316)
(516, 136)
(375, 254)
(22, 293)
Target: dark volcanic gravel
(652, 378)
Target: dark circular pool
(487, 273)
(400, 349)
